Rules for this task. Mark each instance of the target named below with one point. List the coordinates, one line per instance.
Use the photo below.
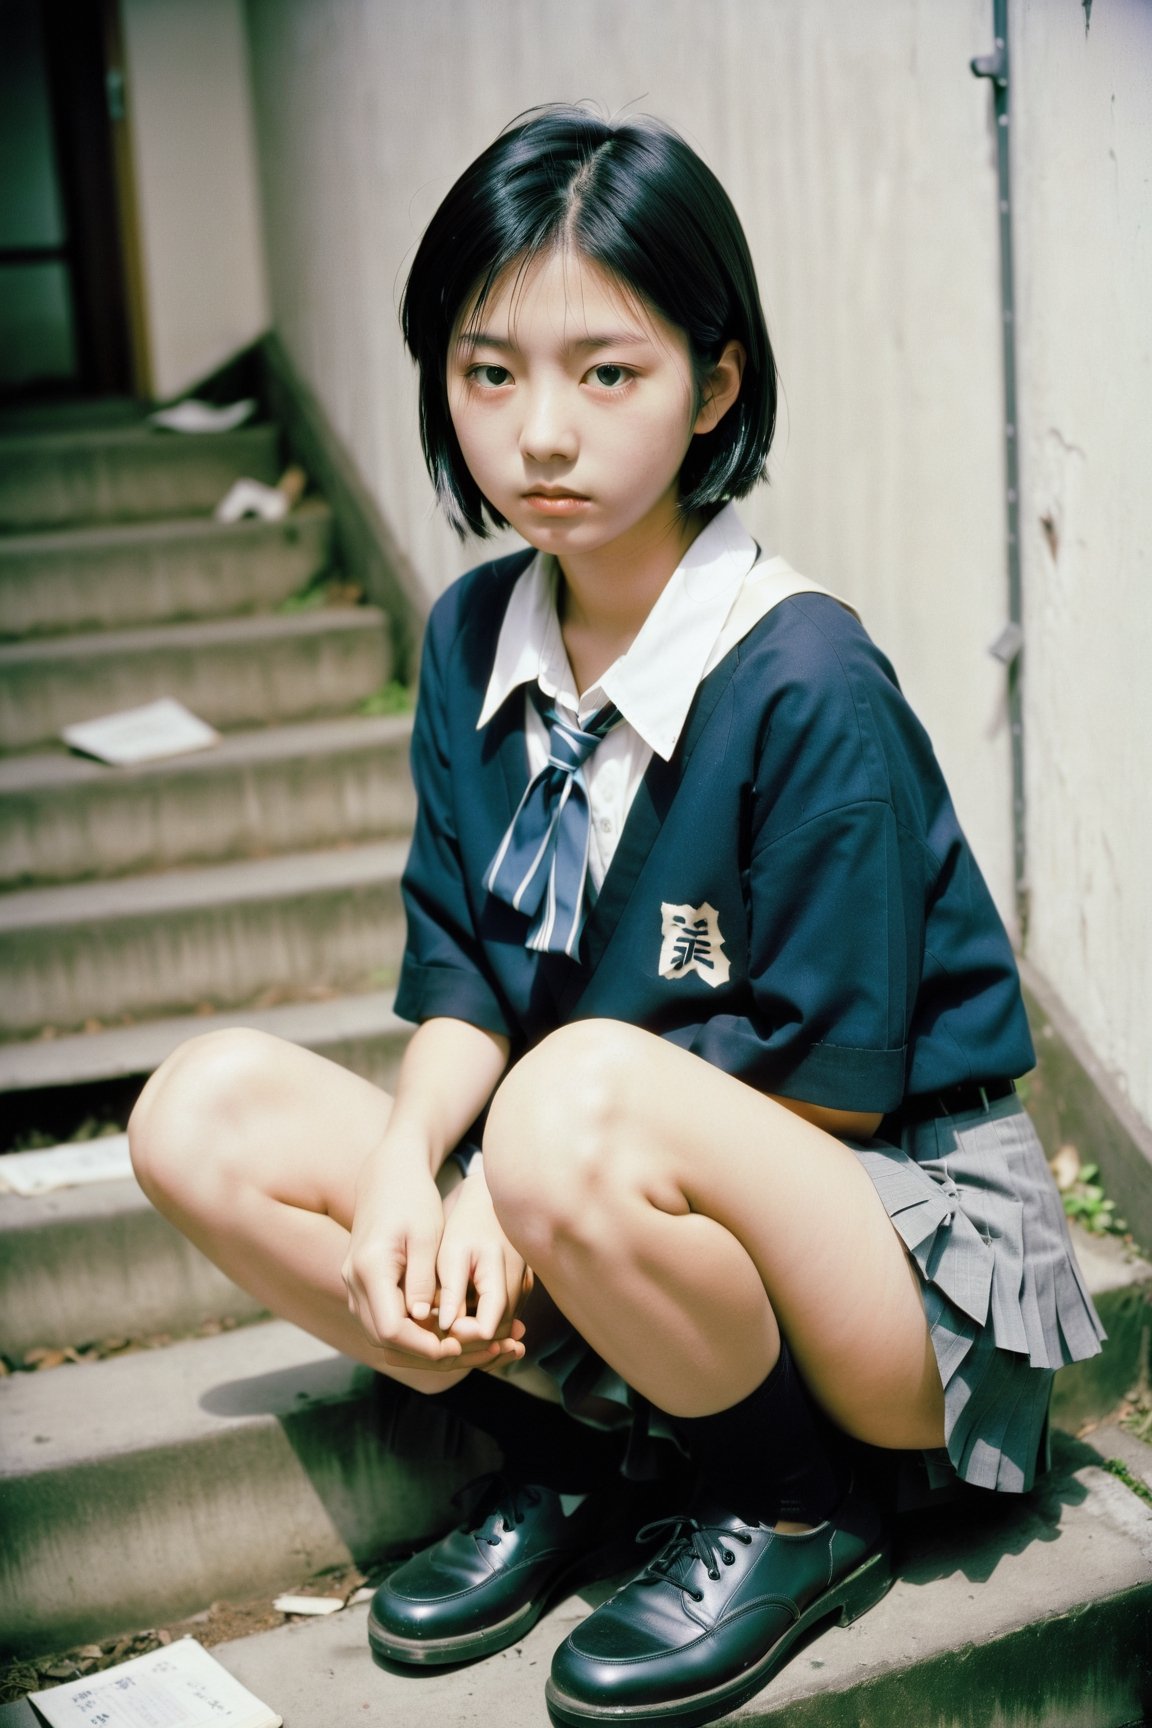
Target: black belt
(954, 1100)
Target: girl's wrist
(405, 1148)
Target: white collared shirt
(652, 683)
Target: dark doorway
(66, 324)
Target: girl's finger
(493, 1310)
(379, 1306)
(482, 1356)
(454, 1272)
(508, 1351)
(420, 1347)
(420, 1278)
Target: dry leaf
(1066, 1167)
(43, 1358)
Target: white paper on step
(161, 728)
(252, 498)
(192, 415)
(69, 1166)
(180, 1686)
(309, 1604)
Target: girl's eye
(492, 376)
(610, 376)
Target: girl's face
(574, 406)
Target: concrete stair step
(58, 1085)
(360, 1031)
(80, 414)
(1121, 1286)
(162, 944)
(146, 572)
(259, 1456)
(80, 1265)
(146, 1486)
(322, 782)
(1036, 1614)
(125, 473)
(231, 672)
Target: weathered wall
(1083, 167)
(196, 189)
(860, 152)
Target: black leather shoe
(485, 1585)
(714, 1614)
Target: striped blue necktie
(541, 865)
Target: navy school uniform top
(792, 897)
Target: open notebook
(181, 1686)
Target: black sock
(769, 1457)
(541, 1443)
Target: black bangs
(634, 199)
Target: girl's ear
(721, 387)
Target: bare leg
(251, 1146)
(672, 1213)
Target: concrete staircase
(260, 873)
(256, 883)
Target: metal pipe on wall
(1009, 644)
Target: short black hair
(635, 199)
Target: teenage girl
(698, 956)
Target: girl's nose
(547, 433)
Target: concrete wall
(1083, 166)
(860, 153)
(197, 202)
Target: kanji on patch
(694, 943)
(691, 942)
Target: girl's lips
(556, 503)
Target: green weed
(1087, 1203)
(392, 698)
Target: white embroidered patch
(692, 943)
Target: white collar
(654, 682)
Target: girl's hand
(477, 1260)
(390, 1270)
(390, 1267)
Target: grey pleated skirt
(974, 1202)
(976, 1207)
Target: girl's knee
(188, 1123)
(557, 1131)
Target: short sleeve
(835, 880)
(834, 929)
(443, 970)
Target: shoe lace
(690, 1541)
(497, 1505)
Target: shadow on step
(382, 1461)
